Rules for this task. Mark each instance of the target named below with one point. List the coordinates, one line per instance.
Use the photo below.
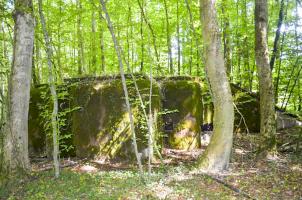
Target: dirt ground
(248, 177)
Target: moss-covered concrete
(39, 125)
(94, 120)
(250, 112)
(248, 106)
(101, 125)
(36, 133)
(183, 125)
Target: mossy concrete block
(101, 125)
(100, 117)
(249, 108)
(39, 121)
(36, 132)
(182, 126)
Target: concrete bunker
(94, 120)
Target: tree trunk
(33, 71)
(38, 61)
(277, 36)
(153, 36)
(16, 139)
(52, 85)
(178, 39)
(93, 43)
(198, 49)
(129, 25)
(217, 155)
(279, 69)
(121, 68)
(81, 61)
(170, 60)
(142, 41)
(102, 42)
(267, 102)
(246, 49)
(226, 39)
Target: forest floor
(248, 178)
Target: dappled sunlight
(240, 151)
(87, 169)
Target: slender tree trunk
(170, 60)
(150, 127)
(217, 155)
(153, 35)
(102, 42)
(279, 69)
(129, 26)
(38, 61)
(142, 41)
(34, 71)
(246, 53)
(51, 82)
(121, 67)
(81, 61)
(292, 89)
(267, 102)
(58, 70)
(198, 49)
(238, 48)
(178, 38)
(277, 36)
(226, 39)
(93, 43)
(16, 139)
(191, 57)
(3, 92)
(183, 53)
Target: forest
(141, 99)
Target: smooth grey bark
(226, 39)
(267, 100)
(217, 155)
(16, 139)
(51, 82)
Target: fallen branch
(231, 187)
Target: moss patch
(39, 122)
(101, 125)
(184, 128)
(249, 107)
(36, 133)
